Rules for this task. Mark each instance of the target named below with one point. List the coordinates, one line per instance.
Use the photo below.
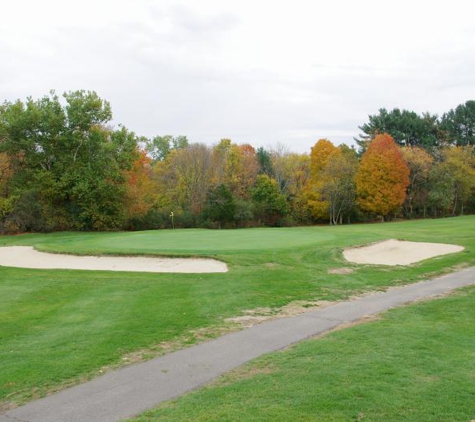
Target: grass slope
(59, 327)
(414, 364)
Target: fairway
(61, 327)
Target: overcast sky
(263, 72)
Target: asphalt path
(129, 391)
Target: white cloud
(254, 71)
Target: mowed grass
(59, 327)
(415, 363)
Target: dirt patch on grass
(343, 270)
(256, 316)
(243, 373)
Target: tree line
(64, 167)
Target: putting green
(188, 241)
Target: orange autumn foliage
(5, 173)
(139, 192)
(383, 177)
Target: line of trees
(428, 131)
(63, 167)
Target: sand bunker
(28, 257)
(397, 252)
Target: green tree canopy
(459, 124)
(271, 205)
(264, 158)
(65, 157)
(406, 127)
(160, 146)
(220, 206)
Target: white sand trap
(397, 252)
(28, 257)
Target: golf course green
(61, 327)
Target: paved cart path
(136, 388)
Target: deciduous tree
(265, 161)
(337, 184)
(292, 173)
(5, 174)
(249, 169)
(160, 146)
(67, 160)
(220, 206)
(382, 177)
(235, 166)
(320, 155)
(192, 169)
(459, 162)
(271, 205)
(420, 163)
(139, 188)
(440, 190)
